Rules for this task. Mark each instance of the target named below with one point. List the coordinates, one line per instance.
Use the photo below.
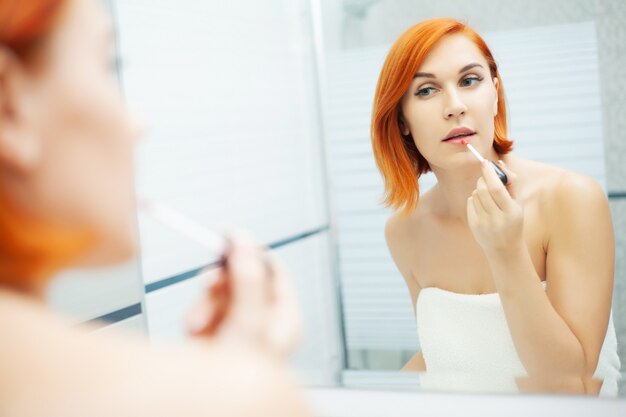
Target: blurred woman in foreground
(66, 199)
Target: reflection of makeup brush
(478, 156)
(176, 221)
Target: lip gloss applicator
(478, 156)
(214, 242)
(167, 216)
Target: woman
(512, 279)
(66, 198)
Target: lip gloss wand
(478, 156)
(213, 241)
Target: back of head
(30, 248)
(25, 24)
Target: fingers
(199, 317)
(285, 321)
(252, 299)
(250, 286)
(511, 184)
(210, 310)
(495, 188)
(485, 197)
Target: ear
(496, 84)
(20, 148)
(404, 128)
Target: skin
(66, 151)
(546, 224)
(67, 137)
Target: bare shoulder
(404, 228)
(397, 238)
(578, 192)
(404, 235)
(395, 228)
(556, 187)
(111, 366)
(565, 198)
(577, 206)
(567, 192)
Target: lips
(459, 140)
(458, 133)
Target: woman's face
(452, 89)
(67, 141)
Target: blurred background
(258, 116)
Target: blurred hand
(251, 300)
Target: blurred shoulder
(36, 341)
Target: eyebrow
(429, 75)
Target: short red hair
(24, 24)
(397, 157)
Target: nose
(454, 106)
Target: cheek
(483, 101)
(89, 157)
(97, 118)
(482, 106)
(423, 117)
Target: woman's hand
(251, 300)
(494, 217)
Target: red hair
(31, 249)
(397, 157)
(24, 24)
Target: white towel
(467, 345)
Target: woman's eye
(425, 92)
(470, 81)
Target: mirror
(541, 55)
(260, 118)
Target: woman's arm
(400, 248)
(559, 332)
